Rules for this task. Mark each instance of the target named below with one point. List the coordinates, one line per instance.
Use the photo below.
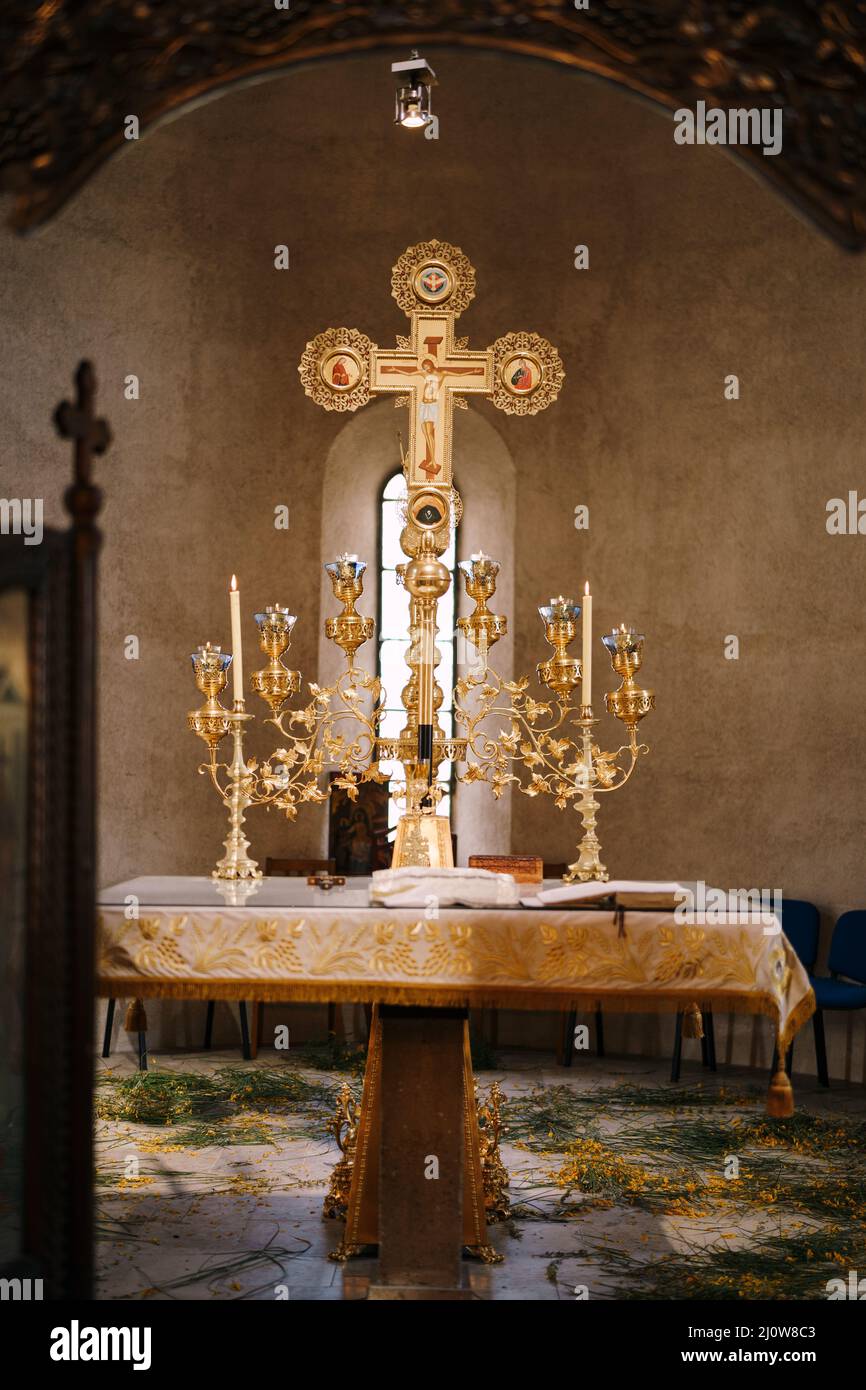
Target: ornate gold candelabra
(212, 722)
(573, 769)
(289, 777)
(339, 726)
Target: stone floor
(244, 1221)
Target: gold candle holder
(275, 683)
(236, 862)
(482, 628)
(560, 673)
(348, 629)
(629, 703)
(212, 721)
(588, 864)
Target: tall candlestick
(237, 649)
(586, 687)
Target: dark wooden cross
(91, 434)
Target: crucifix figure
(430, 370)
(430, 395)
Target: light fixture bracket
(416, 68)
(415, 80)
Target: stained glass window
(394, 641)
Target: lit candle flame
(234, 583)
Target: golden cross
(432, 282)
(431, 371)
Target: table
(192, 938)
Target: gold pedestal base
(588, 866)
(423, 842)
(228, 868)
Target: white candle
(237, 649)
(586, 687)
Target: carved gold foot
(344, 1127)
(345, 1250)
(494, 1175)
(485, 1253)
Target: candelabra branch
(290, 776)
(211, 769)
(557, 765)
(548, 747)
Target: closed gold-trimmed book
(633, 893)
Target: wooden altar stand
(417, 1158)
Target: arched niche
(150, 62)
(362, 456)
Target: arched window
(394, 641)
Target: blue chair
(801, 924)
(847, 957)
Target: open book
(626, 892)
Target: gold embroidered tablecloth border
(525, 963)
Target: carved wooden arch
(72, 70)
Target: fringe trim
(800, 1014)
(464, 996)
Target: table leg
(257, 1021)
(109, 1023)
(136, 1022)
(421, 1154)
(245, 1031)
(566, 1041)
(677, 1057)
(367, 1193)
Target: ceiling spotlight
(415, 79)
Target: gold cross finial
(78, 421)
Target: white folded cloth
(421, 887)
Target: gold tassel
(693, 1024)
(136, 1017)
(780, 1097)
